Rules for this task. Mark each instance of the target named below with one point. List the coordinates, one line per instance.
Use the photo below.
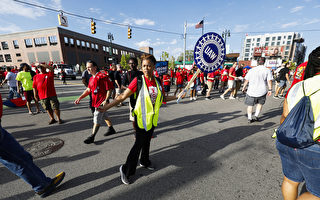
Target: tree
(165, 56)
(189, 56)
(171, 62)
(124, 61)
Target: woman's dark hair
(22, 65)
(313, 65)
(149, 57)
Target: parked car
(69, 69)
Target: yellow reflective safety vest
(147, 113)
(311, 86)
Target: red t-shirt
(232, 71)
(224, 75)
(298, 75)
(152, 88)
(166, 79)
(179, 77)
(99, 85)
(190, 77)
(211, 75)
(44, 84)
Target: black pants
(141, 144)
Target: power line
(100, 20)
(257, 32)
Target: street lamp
(110, 38)
(225, 35)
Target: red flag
(199, 25)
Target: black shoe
(111, 131)
(52, 121)
(149, 167)
(124, 179)
(89, 140)
(55, 182)
(250, 121)
(257, 119)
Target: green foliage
(171, 62)
(124, 61)
(189, 56)
(164, 56)
(82, 67)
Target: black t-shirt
(111, 75)
(239, 72)
(117, 76)
(282, 73)
(130, 75)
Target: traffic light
(129, 33)
(93, 27)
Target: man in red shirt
(179, 81)
(210, 80)
(231, 81)
(100, 88)
(166, 84)
(224, 78)
(43, 88)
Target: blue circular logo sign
(209, 52)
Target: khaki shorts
(231, 84)
(99, 117)
(50, 103)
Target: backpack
(297, 129)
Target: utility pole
(185, 44)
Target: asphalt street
(202, 150)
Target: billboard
(162, 67)
(269, 51)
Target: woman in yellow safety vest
(303, 164)
(146, 113)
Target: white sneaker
(222, 97)
(191, 98)
(195, 98)
(232, 98)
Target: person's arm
(245, 85)
(35, 94)
(84, 82)
(83, 95)
(19, 86)
(285, 111)
(127, 93)
(269, 88)
(287, 77)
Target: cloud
(279, 7)
(158, 42)
(56, 4)
(291, 24)
(144, 43)
(9, 7)
(313, 21)
(296, 9)
(317, 6)
(240, 27)
(95, 10)
(11, 28)
(139, 22)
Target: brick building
(59, 45)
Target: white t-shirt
(258, 78)
(11, 77)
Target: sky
(240, 17)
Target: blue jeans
(18, 161)
(13, 91)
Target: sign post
(209, 54)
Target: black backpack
(297, 129)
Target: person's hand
(77, 101)
(36, 98)
(101, 108)
(269, 93)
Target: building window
(248, 40)
(28, 43)
(71, 41)
(258, 44)
(279, 37)
(78, 43)
(246, 54)
(267, 39)
(41, 41)
(278, 43)
(272, 43)
(103, 48)
(53, 40)
(246, 58)
(8, 57)
(284, 37)
(286, 53)
(289, 37)
(1, 58)
(258, 39)
(247, 45)
(92, 46)
(88, 45)
(66, 41)
(97, 47)
(15, 44)
(283, 42)
(288, 42)
(273, 38)
(19, 60)
(247, 50)
(253, 40)
(107, 49)
(4, 45)
(18, 54)
(267, 44)
(83, 44)
(287, 47)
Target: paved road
(203, 150)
